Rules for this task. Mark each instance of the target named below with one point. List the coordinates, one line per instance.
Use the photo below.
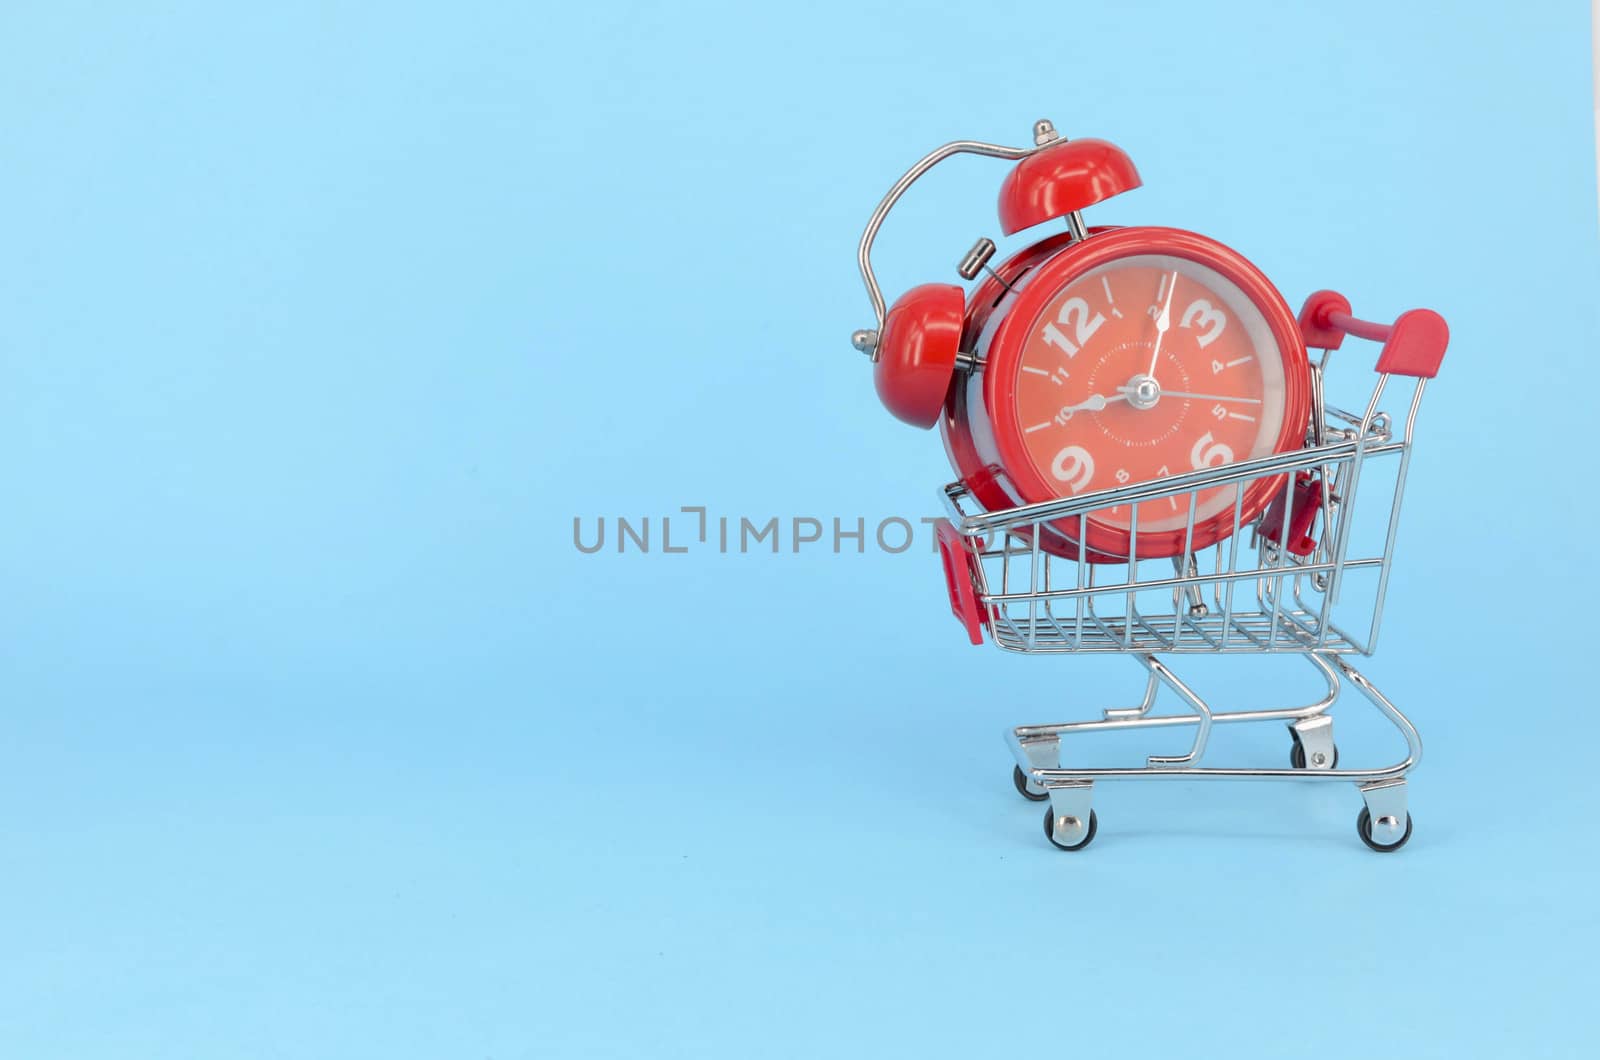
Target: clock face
(1146, 366)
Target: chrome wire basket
(1261, 589)
(1308, 576)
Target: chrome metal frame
(1036, 602)
(1044, 134)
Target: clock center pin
(1143, 392)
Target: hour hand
(1092, 403)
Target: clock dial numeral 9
(1074, 466)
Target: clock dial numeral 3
(1209, 318)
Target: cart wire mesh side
(1257, 590)
(1307, 576)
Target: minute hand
(1202, 397)
(1163, 322)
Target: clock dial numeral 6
(1074, 466)
(1209, 453)
(1083, 327)
(1209, 318)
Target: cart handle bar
(1413, 345)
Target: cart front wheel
(1050, 830)
(1364, 829)
(1020, 779)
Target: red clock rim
(1005, 349)
(954, 424)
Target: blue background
(320, 323)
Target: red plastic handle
(958, 562)
(1413, 345)
(1307, 501)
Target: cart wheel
(1020, 779)
(1050, 833)
(1364, 829)
(1297, 756)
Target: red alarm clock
(1093, 358)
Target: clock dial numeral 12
(1084, 326)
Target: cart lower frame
(1384, 823)
(1023, 576)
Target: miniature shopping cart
(1306, 577)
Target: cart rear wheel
(1050, 830)
(1020, 779)
(1297, 756)
(1364, 829)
